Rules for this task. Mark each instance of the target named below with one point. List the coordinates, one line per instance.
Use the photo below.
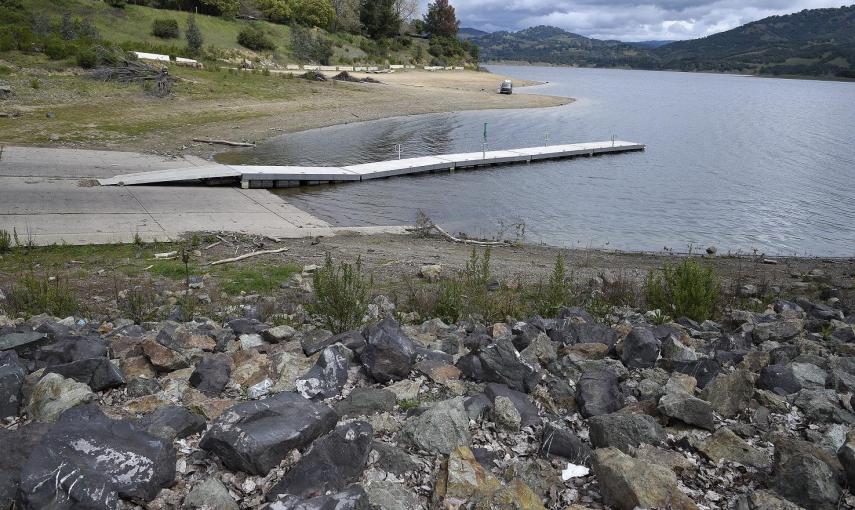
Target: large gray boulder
(68, 349)
(597, 392)
(334, 461)
(388, 354)
(808, 481)
(441, 428)
(627, 483)
(255, 436)
(172, 422)
(87, 460)
(729, 394)
(54, 394)
(688, 409)
(640, 348)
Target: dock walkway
(251, 176)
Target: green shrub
(165, 28)
(558, 291)
(685, 290)
(57, 49)
(341, 295)
(468, 293)
(5, 241)
(87, 58)
(255, 38)
(36, 294)
(138, 302)
(117, 3)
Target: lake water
(737, 162)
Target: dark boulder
(388, 355)
(365, 402)
(625, 431)
(329, 374)
(640, 349)
(502, 363)
(255, 436)
(245, 326)
(97, 373)
(212, 374)
(318, 340)
(598, 392)
(12, 374)
(172, 422)
(68, 349)
(334, 461)
(703, 370)
(87, 460)
(17, 445)
(564, 443)
(778, 379)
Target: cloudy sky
(627, 20)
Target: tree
(227, 8)
(379, 18)
(406, 9)
(346, 16)
(314, 13)
(193, 35)
(441, 20)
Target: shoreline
(520, 63)
(74, 112)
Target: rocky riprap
(751, 413)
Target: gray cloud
(627, 20)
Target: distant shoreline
(521, 63)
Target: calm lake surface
(737, 162)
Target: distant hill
(649, 44)
(817, 42)
(552, 45)
(468, 33)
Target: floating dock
(250, 176)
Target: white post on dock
(613, 140)
(547, 139)
(484, 143)
(399, 151)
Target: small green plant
(5, 241)
(35, 294)
(467, 293)
(599, 308)
(658, 318)
(341, 295)
(685, 290)
(407, 405)
(558, 291)
(35, 83)
(826, 332)
(138, 302)
(165, 28)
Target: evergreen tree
(441, 20)
(379, 18)
(193, 35)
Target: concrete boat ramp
(287, 176)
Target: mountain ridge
(814, 42)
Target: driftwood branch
(224, 142)
(247, 255)
(451, 238)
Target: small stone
(688, 409)
(725, 445)
(210, 494)
(505, 414)
(625, 431)
(431, 272)
(640, 349)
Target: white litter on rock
(574, 471)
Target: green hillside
(818, 42)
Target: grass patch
(262, 279)
(687, 289)
(341, 295)
(34, 294)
